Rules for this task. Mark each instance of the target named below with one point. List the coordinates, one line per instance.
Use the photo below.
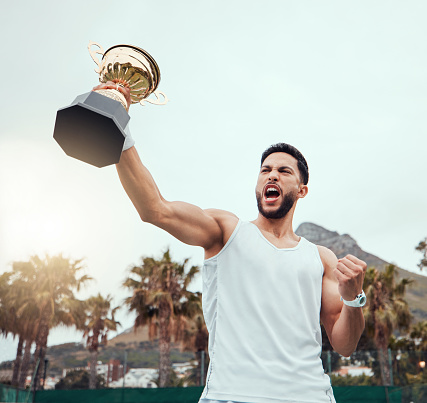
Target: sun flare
(39, 233)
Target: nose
(273, 176)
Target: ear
(302, 192)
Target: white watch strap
(359, 301)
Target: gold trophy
(92, 128)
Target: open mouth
(271, 193)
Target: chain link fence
(366, 376)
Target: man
(265, 289)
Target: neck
(280, 227)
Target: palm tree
(8, 321)
(419, 334)
(386, 310)
(25, 316)
(159, 289)
(18, 316)
(422, 247)
(418, 373)
(4, 308)
(194, 333)
(96, 329)
(53, 281)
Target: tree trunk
(18, 361)
(38, 360)
(41, 344)
(165, 365)
(384, 366)
(381, 340)
(25, 364)
(93, 371)
(164, 345)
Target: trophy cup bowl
(92, 128)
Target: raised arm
(344, 277)
(188, 223)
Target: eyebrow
(282, 167)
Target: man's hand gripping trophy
(128, 75)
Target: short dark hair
(291, 150)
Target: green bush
(79, 380)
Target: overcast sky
(345, 82)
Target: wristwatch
(358, 302)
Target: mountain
(341, 245)
(130, 336)
(344, 244)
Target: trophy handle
(93, 54)
(156, 101)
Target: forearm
(139, 185)
(347, 330)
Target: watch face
(362, 300)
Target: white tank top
(262, 310)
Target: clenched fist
(350, 273)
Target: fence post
(329, 362)
(46, 362)
(124, 374)
(32, 382)
(125, 367)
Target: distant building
(137, 378)
(115, 371)
(65, 371)
(111, 372)
(51, 382)
(354, 371)
(182, 368)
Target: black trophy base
(91, 129)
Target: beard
(287, 203)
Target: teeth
(269, 190)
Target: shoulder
(328, 258)
(222, 217)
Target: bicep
(331, 299)
(331, 304)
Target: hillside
(140, 354)
(344, 244)
(130, 336)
